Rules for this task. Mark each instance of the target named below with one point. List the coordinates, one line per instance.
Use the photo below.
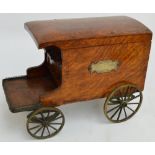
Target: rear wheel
(45, 122)
(123, 103)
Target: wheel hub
(123, 104)
(45, 123)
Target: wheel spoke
(119, 113)
(34, 127)
(43, 132)
(55, 123)
(121, 96)
(48, 130)
(53, 127)
(118, 98)
(51, 118)
(125, 112)
(114, 102)
(35, 120)
(38, 130)
(57, 118)
(130, 108)
(113, 108)
(115, 113)
(126, 94)
(134, 98)
(133, 103)
(42, 115)
(129, 95)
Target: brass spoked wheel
(45, 122)
(123, 103)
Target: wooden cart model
(84, 59)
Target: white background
(85, 121)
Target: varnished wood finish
(79, 84)
(23, 93)
(38, 71)
(75, 44)
(76, 33)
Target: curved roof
(53, 32)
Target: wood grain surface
(76, 33)
(23, 93)
(71, 46)
(79, 84)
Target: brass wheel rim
(123, 103)
(45, 122)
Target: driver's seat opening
(53, 61)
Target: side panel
(80, 84)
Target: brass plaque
(103, 66)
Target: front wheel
(122, 103)
(45, 122)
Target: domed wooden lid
(75, 33)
